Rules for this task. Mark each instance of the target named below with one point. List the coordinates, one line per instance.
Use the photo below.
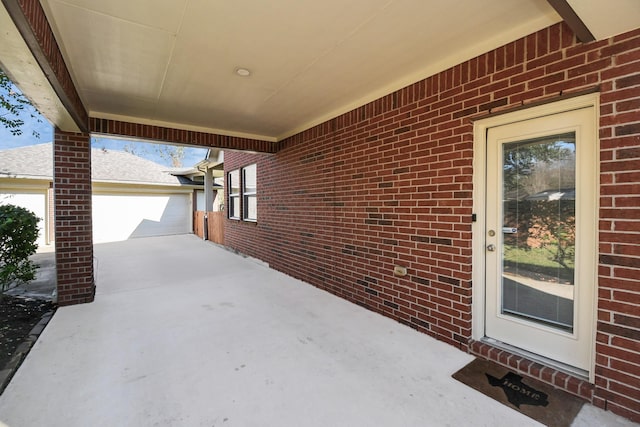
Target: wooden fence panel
(215, 226)
(198, 223)
(215, 221)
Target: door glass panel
(538, 235)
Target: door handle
(491, 247)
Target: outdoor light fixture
(243, 72)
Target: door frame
(481, 127)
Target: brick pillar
(73, 227)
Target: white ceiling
(172, 62)
(608, 18)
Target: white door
(540, 236)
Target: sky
(45, 130)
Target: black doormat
(535, 399)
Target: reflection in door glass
(538, 246)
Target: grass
(538, 261)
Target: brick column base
(73, 227)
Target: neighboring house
(132, 196)
(213, 166)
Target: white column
(208, 190)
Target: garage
(118, 216)
(132, 196)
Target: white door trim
(479, 198)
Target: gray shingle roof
(36, 161)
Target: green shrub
(18, 235)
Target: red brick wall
(618, 336)
(177, 136)
(73, 226)
(390, 183)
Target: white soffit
(607, 18)
(20, 65)
(172, 62)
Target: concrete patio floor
(185, 333)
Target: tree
(12, 104)
(18, 235)
(174, 154)
(539, 180)
(170, 153)
(521, 162)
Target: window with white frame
(250, 193)
(243, 193)
(233, 184)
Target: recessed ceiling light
(243, 72)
